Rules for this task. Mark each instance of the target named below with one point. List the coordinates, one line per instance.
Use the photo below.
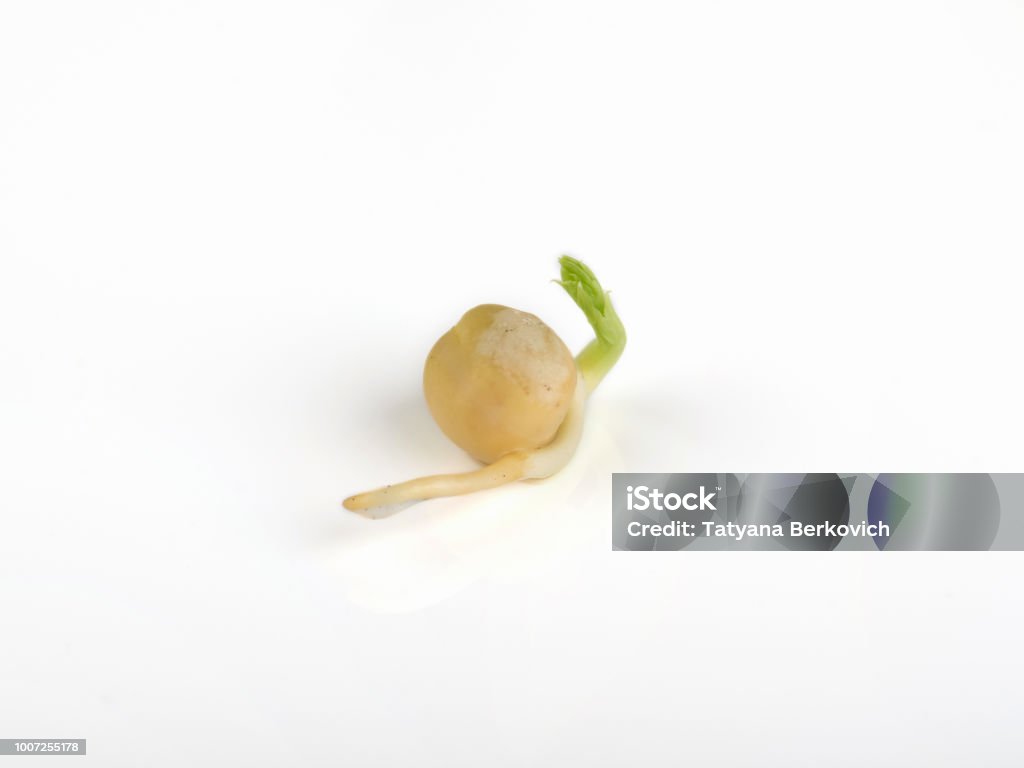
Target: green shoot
(601, 354)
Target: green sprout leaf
(600, 355)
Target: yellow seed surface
(499, 381)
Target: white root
(519, 465)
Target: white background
(230, 232)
